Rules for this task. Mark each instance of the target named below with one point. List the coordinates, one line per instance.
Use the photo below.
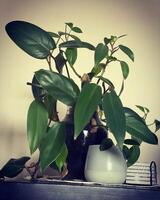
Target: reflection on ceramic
(107, 166)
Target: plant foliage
(97, 93)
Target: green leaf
(143, 109)
(113, 38)
(130, 113)
(58, 86)
(126, 152)
(13, 167)
(124, 35)
(107, 143)
(114, 114)
(68, 34)
(54, 166)
(31, 38)
(101, 52)
(147, 110)
(127, 51)
(137, 139)
(60, 62)
(131, 142)
(52, 144)
(55, 35)
(106, 81)
(122, 88)
(37, 120)
(125, 69)
(107, 41)
(62, 157)
(157, 124)
(50, 104)
(140, 130)
(98, 68)
(112, 58)
(76, 29)
(69, 24)
(37, 91)
(134, 154)
(71, 55)
(77, 44)
(86, 105)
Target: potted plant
(94, 108)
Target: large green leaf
(127, 51)
(101, 52)
(140, 130)
(31, 38)
(51, 104)
(58, 86)
(37, 90)
(52, 144)
(52, 34)
(62, 157)
(115, 116)
(131, 113)
(71, 55)
(133, 155)
(77, 44)
(37, 120)
(86, 105)
(13, 167)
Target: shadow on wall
(13, 144)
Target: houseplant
(94, 107)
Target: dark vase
(77, 149)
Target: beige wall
(140, 20)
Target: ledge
(75, 190)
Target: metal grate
(142, 174)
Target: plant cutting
(94, 107)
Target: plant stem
(67, 71)
(69, 34)
(103, 70)
(32, 84)
(49, 62)
(66, 32)
(34, 175)
(58, 40)
(113, 50)
(104, 88)
(79, 76)
(49, 122)
(151, 124)
(52, 56)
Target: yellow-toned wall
(140, 20)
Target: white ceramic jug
(107, 166)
